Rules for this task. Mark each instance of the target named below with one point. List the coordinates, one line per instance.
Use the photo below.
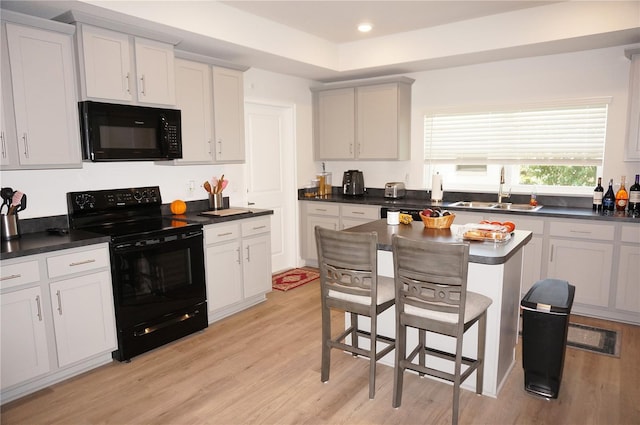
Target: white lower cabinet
(238, 265)
(25, 351)
(57, 317)
(582, 254)
(323, 214)
(628, 267)
(355, 215)
(80, 306)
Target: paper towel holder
(437, 193)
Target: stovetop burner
(121, 213)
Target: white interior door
(270, 161)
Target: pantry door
(270, 168)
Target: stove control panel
(113, 199)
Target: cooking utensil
(6, 193)
(23, 204)
(207, 187)
(219, 184)
(16, 200)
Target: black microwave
(113, 132)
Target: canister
(10, 227)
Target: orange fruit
(178, 207)
(509, 225)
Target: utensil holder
(216, 201)
(10, 227)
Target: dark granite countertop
(35, 239)
(41, 242)
(552, 207)
(479, 252)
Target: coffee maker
(353, 183)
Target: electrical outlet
(191, 186)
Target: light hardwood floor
(262, 366)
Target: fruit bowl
(443, 222)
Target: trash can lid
(550, 295)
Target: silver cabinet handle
(551, 256)
(142, 86)
(4, 145)
(39, 308)
(219, 142)
(259, 227)
(581, 232)
(248, 254)
(238, 251)
(59, 302)
(224, 234)
(11, 276)
(358, 212)
(127, 83)
(251, 203)
(209, 143)
(79, 263)
(26, 145)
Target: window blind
(565, 135)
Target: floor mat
(293, 278)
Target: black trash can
(545, 322)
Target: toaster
(394, 190)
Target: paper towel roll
(436, 187)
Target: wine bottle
(609, 199)
(622, 197)
(597, 196)
(634, 197)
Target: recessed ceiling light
(364, 27)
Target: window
(551, 148)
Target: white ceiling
(337, 21)
(318, 39)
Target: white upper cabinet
(194, 99)
(370, 121)
(335, 123)
(40, 126)
(119, 67)
(633, 124)
(228, 112)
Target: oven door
(159, 290)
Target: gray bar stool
(349, 282)
(431, 295)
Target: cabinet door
(24, 349)
(586, 265)
(256, 269)
(311, 251)
(45, 103)
(377, 134)
(8, 140)
(107, 64)
(628, 290)
(155, 71)
(193, 98)
(335, 124)
(633, 117)
(531, 264)
(224, 275)
(83, 317)
(228, 109)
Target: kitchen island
(494, 270)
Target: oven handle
(173, 321)
(157, 241)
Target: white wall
(594, 73)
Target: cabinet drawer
(582, 230)
(19, 274)
(221, 233)
(631, 234)
(360, 211)
(323, 208)
(256, 227)
(77, 262)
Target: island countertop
(479, 252)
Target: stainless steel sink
(473, 204)
(496, 206)
(516, 207)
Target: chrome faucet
(501, 193)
